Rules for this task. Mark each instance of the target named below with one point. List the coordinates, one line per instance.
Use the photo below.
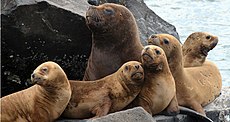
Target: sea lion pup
(159, 90)
(43, 102)
(115, 39)
(109, 94)
(195, 86)
(196, 47)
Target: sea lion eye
(108, 11)
(158, 52)
(208, 37)
(44, 69)
(166, 41)
(126, 67)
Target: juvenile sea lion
(196, 47)
(109, 94)
(159, 90)
(43, 102)
(195, 86)
(115, 39)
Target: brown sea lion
(195, 86)
(196, 47)
(115, 39)
(43, 102)
(159, 90)
(109, 94)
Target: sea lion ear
(160, 66)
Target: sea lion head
(167, 42)
(201, 42)
(108, 17)
(133, 72)
(153, 57)
(48, 72)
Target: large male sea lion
(159, 90)
(115, 39)
(196, 47)
(106, 95)
(195, 86)
(43, 102)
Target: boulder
(35, 31)
(219, 109)
(148, 22)
(137, 114)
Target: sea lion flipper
(173, 108)
(197, 107)
(102, 109)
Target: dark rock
(98, 2)
(148, 22)
(35, 31)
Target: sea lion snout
(37, 78)
(135, 70)
(137, 66)
(146, 56)
(153, 39)
(39, 75)
(137, 76)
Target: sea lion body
(106, 95)
(159, 90)
(115, 39)
(196, 47)
(195, 86)
(44, 101)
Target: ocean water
(211, 16)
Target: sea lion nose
(153, 36)
(146, 49)
(137, 66)
(33, 75)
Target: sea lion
(195, 86)
(196, 47)
(43, 102)
(159, 90)
(115, 39)
(109, 94)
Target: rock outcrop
(35, 31)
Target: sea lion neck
(160, 68)
(175, 60)
(110, 42)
